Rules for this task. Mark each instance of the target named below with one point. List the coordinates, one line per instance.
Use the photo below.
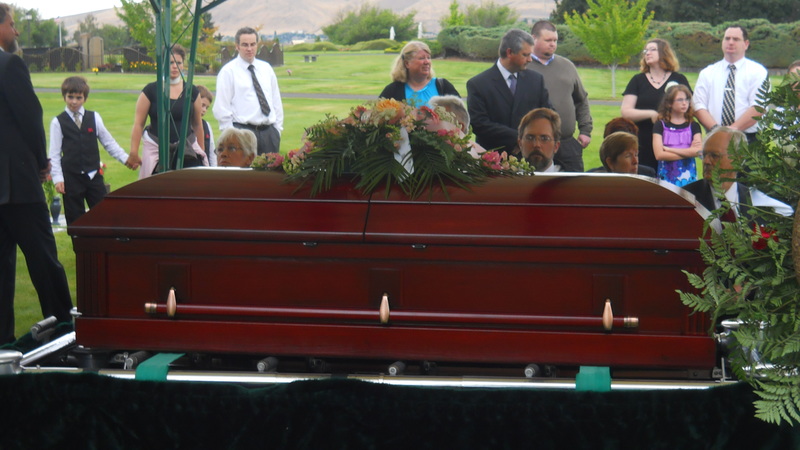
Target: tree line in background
(714, 12)
(478, 25)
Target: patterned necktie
(729, 99)
(77, 117)
(262, 100)
(512, 83)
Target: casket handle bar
(383, 311)
(607, 321)
(608, 316)
(171, 307)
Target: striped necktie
(262, 99)
(77, 116)
(729, 99)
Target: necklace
(659, 83)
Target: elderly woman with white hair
(455, 106)
(236, 148)
(414, 79)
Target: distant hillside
(309, 16)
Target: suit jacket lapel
(501, 86)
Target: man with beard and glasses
(539, 136)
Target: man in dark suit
(715, 155)
(24, 219)
(499, 97)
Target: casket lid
(595, 210)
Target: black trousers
(569, 155)
(267, 136)
(79, 188)
(27, 225)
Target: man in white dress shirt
(248, 96)
(712, 83)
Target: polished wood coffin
(577, 269)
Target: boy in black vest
(74, 154)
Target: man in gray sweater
(567, 95)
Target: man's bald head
(715, 149)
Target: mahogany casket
(514, 270)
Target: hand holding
(133, 161)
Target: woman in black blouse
(659, 69)
(146, 106)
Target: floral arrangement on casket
(386, 142)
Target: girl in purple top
(677, 139)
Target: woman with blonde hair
(659, 70)
(413, 78)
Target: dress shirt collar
(738, 64)
(552, 169)
(81, 111)
(243, 62)
(503, 71)
(544, 63)
(731, 195)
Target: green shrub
(375, 44)
(312, 47)
(472, 42)
(570, 44)
(436, 48)
(696, 44)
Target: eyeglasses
(230, 148)
(648, 50)
(533, 138)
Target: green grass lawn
(114, 96)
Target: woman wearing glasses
(641, 98)
(677, 139)
(236, 148)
